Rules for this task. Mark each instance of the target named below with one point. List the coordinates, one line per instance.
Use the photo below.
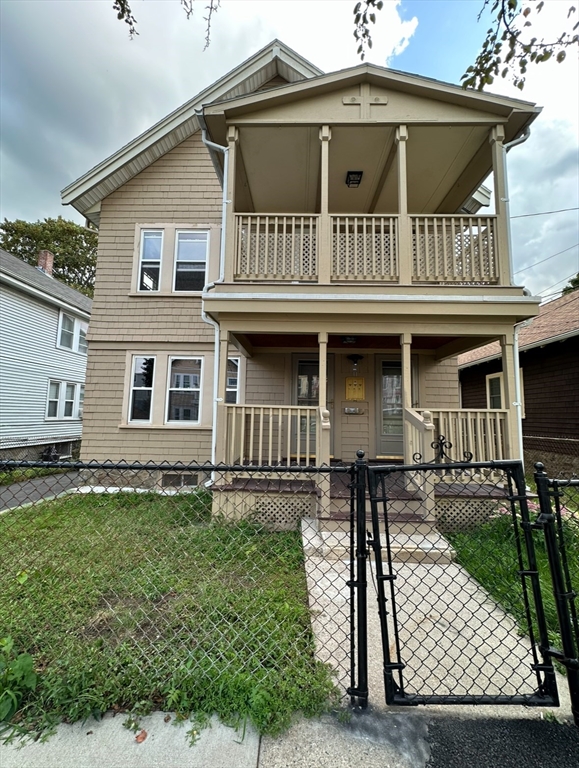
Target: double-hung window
(232, 383)
(142, 379)
(171, 258)
(184, 389)
(150, 260)
(72, 333)
(190, 260)
(65, 400)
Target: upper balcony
(366, 177)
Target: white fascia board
(390, 298)
(183, 113)
(45, 297)
(525, 348)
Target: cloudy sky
(74, 89)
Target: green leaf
(561, 56)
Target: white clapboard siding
(29, 358)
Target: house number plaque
(355, 388)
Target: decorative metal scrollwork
(441, 456)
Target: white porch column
(406, 349)
(221, 451)
(502, 243)
(404, 245)
(323, 369)
(230, 245)
(509, 373)
(324, 249)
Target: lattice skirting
(277, 511)
(453, 515)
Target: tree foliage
(572, 285)
(74, 248)
(510, 47)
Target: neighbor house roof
(556, 321)
(31, 280)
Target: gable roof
(556, 321)
(19, 274)
(273, 62)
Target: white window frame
(79, 331)
(142, 234)
(237, 386)
(168, 389)
(132, 389)
(61, 400)
(182, 231)
(499, 375)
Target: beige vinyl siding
(180, 187)
(439, 383)
(103, 437)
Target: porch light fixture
(355, 360)
(353, 179)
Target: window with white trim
(150, 259)
(64, 400)
(232, 382)
(142, 381)
(496, 392)
(184, 389)
(72, 333)
(190, 260)
(170, 258)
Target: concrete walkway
(37, 489)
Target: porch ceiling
(348, 343)
(279, 168)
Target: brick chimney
(46, 262)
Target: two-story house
(290, 263)
(43, 354)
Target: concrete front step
(405, 546)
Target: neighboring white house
(43, 353)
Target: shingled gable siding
(180, 187)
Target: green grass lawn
(136, 601)
(19, 475)
(489, 554)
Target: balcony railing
(275, 247)
(437, 249)
(364, 248)
(459, 249)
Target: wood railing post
(496, 138)
(404, 244)
(325, 235)
(511, 421)
(231, 234)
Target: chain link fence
(193, 588)
(560, 455)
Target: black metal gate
(449, 544)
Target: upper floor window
(171, 259)
(72, 333)
(65, 400)
(150, 260)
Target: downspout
(518, 399)
(212, 147)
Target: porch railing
(364, 248)
(459, 249)
(482, 433)
(279, 435)
(276, 247)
